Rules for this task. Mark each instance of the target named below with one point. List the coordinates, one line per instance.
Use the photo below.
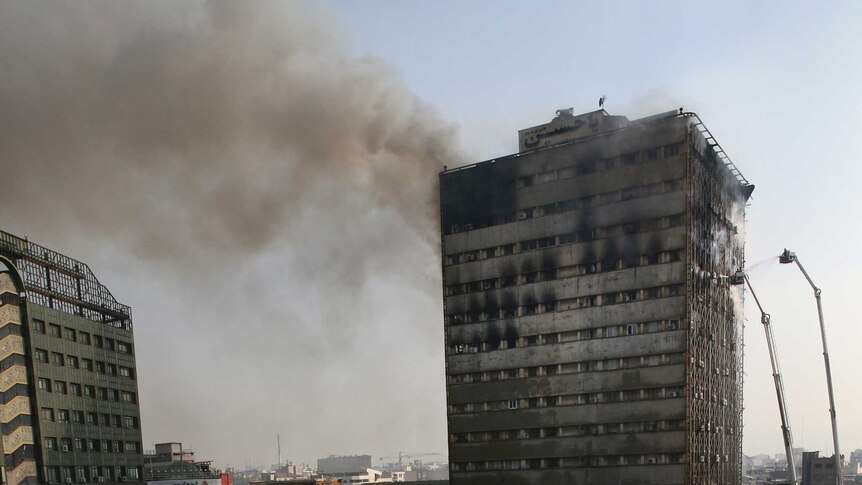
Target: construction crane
(401, 455)
(738, 279)
(788, 257)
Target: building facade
(591, 333)
(70, 410)
(817, 470)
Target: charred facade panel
(580, 295)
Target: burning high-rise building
(69, 408)
(591, 334)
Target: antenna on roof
(602, 101)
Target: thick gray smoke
(265, 201)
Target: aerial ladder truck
(738, 279)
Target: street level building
(69, 410)
(591, 334)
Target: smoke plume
(263, 198)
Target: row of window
(569, 368)
(583, 168)
(569, 399)
(91, 474)
(96, 446)
(92, 419)
(85, 338)
(567, 304)
(610, 331)
(59, 359)
(562, 272)
(592, 234)
(575, 430)
(570, 462)
(93, 392)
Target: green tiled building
(69, 408)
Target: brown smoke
(205, 138)
(209, 126)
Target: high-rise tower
(592, 336)
(69, 408)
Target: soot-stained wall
(566, 275)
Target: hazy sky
(257, 183)
(777, 84)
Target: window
(100, 367)
(127, 372)
(84, 338)
(113, 395)
(41, 356)
(106, 446)
(48, 414)
(57, 359)
(132, 447)
(78, 417)
(109, 344)
(62, 415)
(129, 422)
(124, 347)
(65, 444)
(54, 329)
(51, 443)
(97, 341)
(80, 471)
(92, 445)
(87, 364)
(52, 473)
(75, 388)
(60, 387)
(104, 420)
(132, 473)
(91, 418)
(38, 326)
(118, 446)
(115, 421)
(44, 385)
(112, 369)
(89, 391)
(69, 334)
(72, 361)
(513, 404)
(102, 393)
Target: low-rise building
(169, 464)
(343, 466)
(817, 470)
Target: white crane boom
(766, 320)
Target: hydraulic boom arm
(790, 257)
(766, 320)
